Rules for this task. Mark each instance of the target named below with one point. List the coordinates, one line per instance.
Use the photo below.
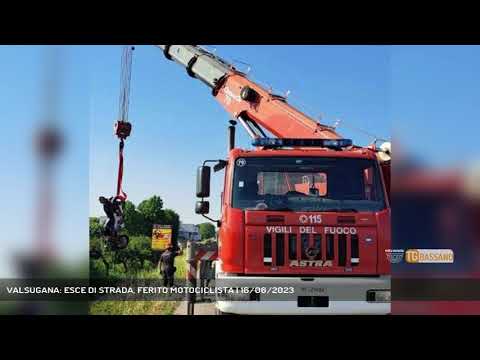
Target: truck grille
(341, 249)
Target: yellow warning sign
(161, 237)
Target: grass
(141, 307)
(133, 307)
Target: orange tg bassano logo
(429, 256)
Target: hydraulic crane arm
(255, 107)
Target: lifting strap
(120, 193)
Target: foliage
(135, 222)
(151, 210)
(95, 227)
(140, 220)
(136, 257)
(207, 230)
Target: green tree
(207, 230)
(96, 229)
(141, 249)
(135, 223)
(151, 210)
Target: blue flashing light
(328, 143)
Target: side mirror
(203, 181)
(202, 207)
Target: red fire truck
(305, 215)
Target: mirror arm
(220, 165)
(218, 222)
(211, 161)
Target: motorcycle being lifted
(114, 212)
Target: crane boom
(255, 107)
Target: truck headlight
(379, 296)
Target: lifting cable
(122, 127)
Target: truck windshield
(307, 184)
